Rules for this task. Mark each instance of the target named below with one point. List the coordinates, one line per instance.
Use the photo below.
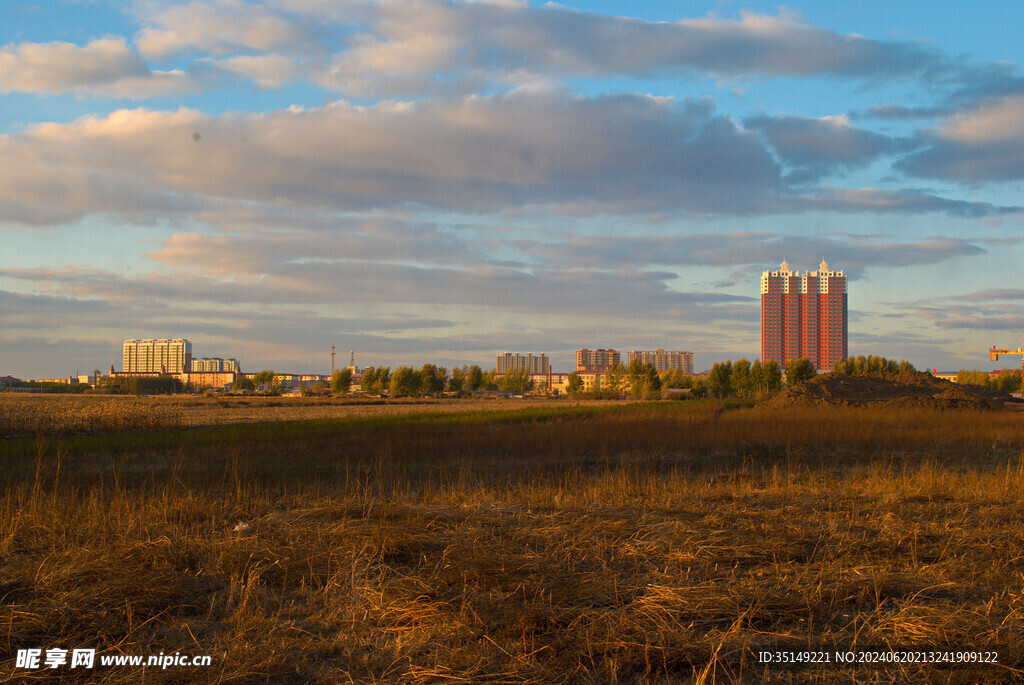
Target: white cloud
(267, 71)
(531, 148)
(217, 27)
(410, 47)
(106, 66)
(983, 142)
(991, 122)
(814, 147)
(472, 154)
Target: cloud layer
(465, 176)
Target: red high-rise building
(803, 316)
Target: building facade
(665, 361)
(804, 316)
(218, 380)
(507, 362)
(215, 365)
(157, 356)
(596, 360)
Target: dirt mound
(903, 389)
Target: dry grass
(23, 414)
(26, 414)
(663, 543)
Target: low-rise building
(218, 380)
(548, 382)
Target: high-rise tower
(804, 316)
(157, 356)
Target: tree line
(638, 380)
(1008, 380)
(857, 366)
(742, 378)
(745, 379)
(406, 381)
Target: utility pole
(332, 360)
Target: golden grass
(662, 543)
(58, 414)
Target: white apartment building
(157, 356)
(665, 361)
(513, 362)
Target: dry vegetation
(58, 414)
(654, 543)
(24, 414)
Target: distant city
(802, 315)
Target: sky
(428, 181)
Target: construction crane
(994, 353)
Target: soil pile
(904, 389)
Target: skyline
(441, 182)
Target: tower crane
(994, 353)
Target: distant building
(157, 356)
(596, 360)
(215, 365)
(804, 316)
(219, 380)
(507, 362)
(665, 361)
(7, 380)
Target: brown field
(29, 414)
(653, 543)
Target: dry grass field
(28, 414)
(652, 543)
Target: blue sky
(420, 180)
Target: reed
(664, 542)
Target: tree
(741, 380)
(800, 370)
(652, 381)
(264, 380)
(575, 383)
(341, 380)
(458, 379)
(1008, 381)
(489, 380)
(643, 379)
(856, 366)
(405, 382)
(720, 379)
(772, 376)
(432, 378)
(374, 381)
(614, 378)
(475, 378)
(518, 381)
(368, 380)
(243, 383)
(844, 366)
(636, 377)
(674, 378)
(757, 379)
(383, 381)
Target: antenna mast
(332, 360)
